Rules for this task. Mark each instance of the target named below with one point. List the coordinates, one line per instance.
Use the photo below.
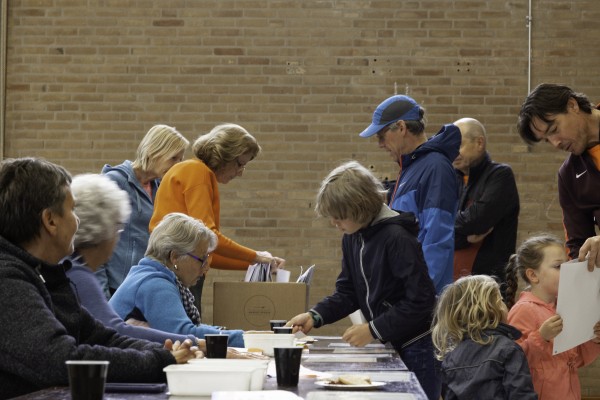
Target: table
(387, 363)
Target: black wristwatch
(317, 321)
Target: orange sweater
(191, 188)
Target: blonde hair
(178, 233)
(464, 310)
(223, 144)
(161, 142)
(530, 254)
(351, 192)
(100, 206)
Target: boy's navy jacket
(385, 275)
(498, 370)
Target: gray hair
(178, 233)
(101, 206)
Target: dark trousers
(419, 358)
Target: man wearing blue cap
(427, 184)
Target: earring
(175, 266)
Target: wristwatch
(317, 321)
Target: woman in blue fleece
(161, 148)
(155, 290)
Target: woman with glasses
(155, 290)
(192, 188)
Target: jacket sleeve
(437, 205)
(343, 300)
(160, 303)
(578, 224)
(38, 354)
(92, 298)
(229, 254)
(524, 318)
(498, 198)
(517, 378)
(410, 315)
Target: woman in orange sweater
(191, 187)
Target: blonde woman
(161, 148)
(192, 188)
(480, 359)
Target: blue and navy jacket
(429, 189)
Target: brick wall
(86, 79)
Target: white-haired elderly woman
(155, 290)
(161, 148)
(102, 209)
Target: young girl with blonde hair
(537, 262)
(480, 359)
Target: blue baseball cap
(393, 109)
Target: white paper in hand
(578, 304)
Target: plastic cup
(216, 345)
(87, 379)
(282, 329)
(277, 322)
(287, 365)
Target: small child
(383, 273)
(538, 262)
(480, 359)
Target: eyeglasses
(381, 134)
(239, 164)
(200, 260)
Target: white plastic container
(267, 341)
(204, 376)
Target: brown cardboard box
(250, 305)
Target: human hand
(591, 250)
(551, 327)
(478, 238)
(358, 335)
(596, 338)
(265, 257)
(136, 322)
(233, 353)
(183, 351)
(301, 322)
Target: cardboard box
(250, 305)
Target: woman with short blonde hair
(161, 148)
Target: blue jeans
(419, 358)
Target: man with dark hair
(427, 184)
(42, 324)
(488, 210)
(568, 120)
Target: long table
(326, 354)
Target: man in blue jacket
(427, 185)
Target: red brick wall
(86, 80)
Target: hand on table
(358, 335)
(301, 322)
(591, 250)
(183, 351)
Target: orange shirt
(191, 188)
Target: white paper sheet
(578, 304)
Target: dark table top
(381, 361)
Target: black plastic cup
(277, 322)
(87, 379)
(216, 345)
(287, 365)
(282, 329)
